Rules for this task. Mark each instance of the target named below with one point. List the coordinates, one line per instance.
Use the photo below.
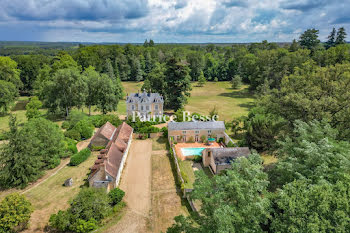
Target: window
(147, 108)
(141, 108)
(178, 138)
(197, 132)
(196, 138)
(156, 106)
(209, 131)
(133, 107)
(183, 132)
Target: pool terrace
(182, 156)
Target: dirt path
(136, 182)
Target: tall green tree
(9, 71)
(309, 39)
(8, 94)
(235, 201)
(33, 108)
(177, 84)
(201, 80)
(66, 89)
(341, 35)
(155, 81)
(38, 145)
(331, 39)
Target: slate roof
(144, 98)
(196, 125)
(224, 156)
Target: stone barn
(218, 159)
(109, 165)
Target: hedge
(80, 157)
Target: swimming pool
(192, 151)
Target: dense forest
(302, 116)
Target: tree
(38, 145)
(29, 65)
(341, 35)
(196, 64)
(201, 80)
(304, 207)
(92, 81)
(151, 43)
(87, 209)
(155, 81)
(107, 100)
(15, 211)
(177, 84)
(312, 154)
(33, 108)
(313, 93)
(64, 61)
(9, 71)
(309, 39)
(67, 89)
(145, 44)
(235, 201)
(8, 94)
(236, 82)
(294, 46)
(262, 129)
(331, 39)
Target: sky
(169, 21)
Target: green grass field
(230, 103)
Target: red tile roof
(110, 158)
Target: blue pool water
(192, 151)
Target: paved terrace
(180, 145)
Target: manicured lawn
(51, 196)
(159, 143)
(186, 168)
(229, 103)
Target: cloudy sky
(169, 20)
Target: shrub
(191, 139)
(85, 128)
(74, 117)
(99, 120)
(118, 207)
(85, 226)
(165, 132)
(197, 158)
(184, 176)
(73, 134)
(87, 210)
(97, 148)
(230, 144)
(116, 195)
(203, 138)
(70, 147)
(3, 136)
(80, 157)
(65, 125)
(15, 211)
